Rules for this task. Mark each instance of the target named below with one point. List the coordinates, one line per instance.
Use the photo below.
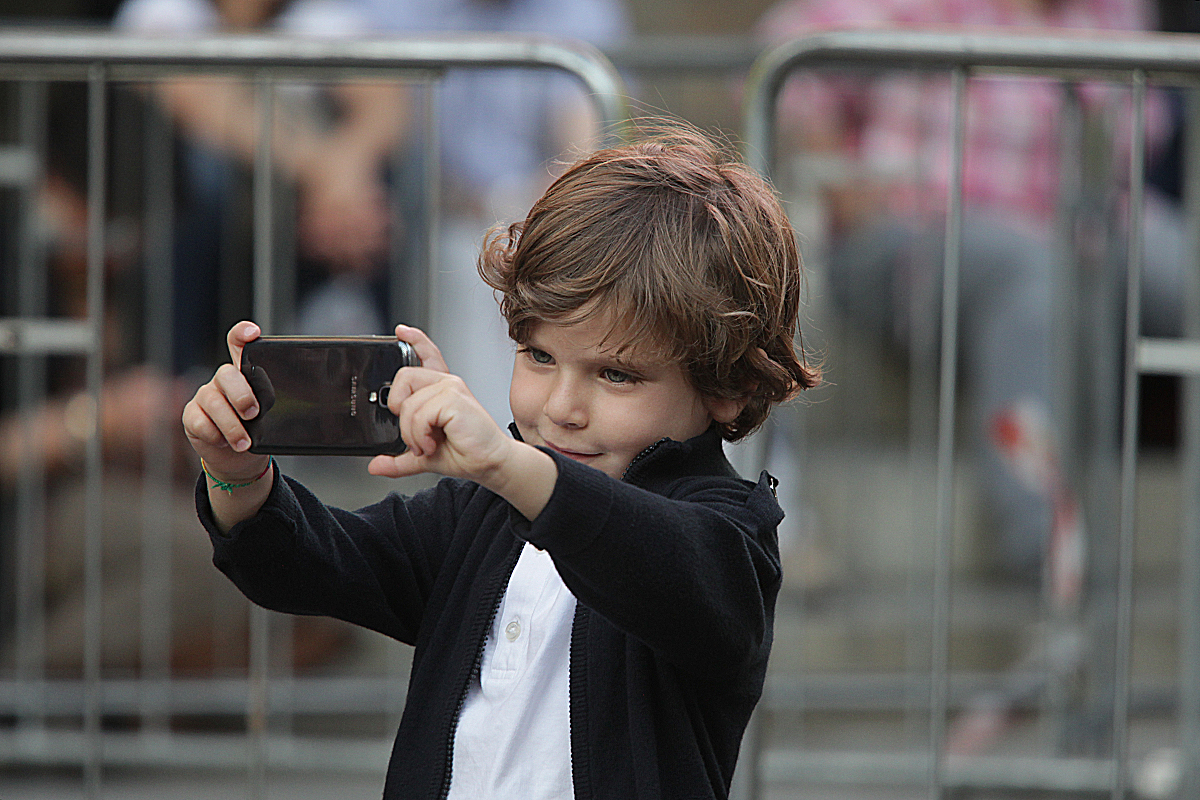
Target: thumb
(400, 466)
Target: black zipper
(581, 767)
(476, 666)
(642, 455)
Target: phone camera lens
(382, 396)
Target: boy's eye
(538, 356)
(616, 376)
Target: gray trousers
(887, 279)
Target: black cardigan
(675, 569)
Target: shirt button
(512, 630)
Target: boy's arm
(692, 575)
(374, 567)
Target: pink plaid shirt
(898, 127)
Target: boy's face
(584, 401)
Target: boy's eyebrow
(626, 365)
(631, 359)
(627, 356)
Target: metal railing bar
(1189, 550)
(356, 755)
(18, 166)
(433, 204)
(1168, 357)
(1013, 773)
(264, 215)
(30, 623)
(97, 122)
(257, 701)
(215, 696)
(101, 60)
(320, 696)
(685, 55)
(156, 600)
(896, 693)
(1129, 435)
(139, 73)
(34, 336)
(133, 58)
(349, 755)
(1153, 54)
(948, 380)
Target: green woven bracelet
(228, 487)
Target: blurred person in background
(500, 134)
(332, 144)
(886, 141)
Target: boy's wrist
(241, 476)
(525, 477)
(236, 501)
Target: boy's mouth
(573, 454)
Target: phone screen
(324, 395)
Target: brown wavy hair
(687, 250)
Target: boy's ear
(725, 410)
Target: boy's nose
(565, 405)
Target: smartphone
(323, 395)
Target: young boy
(591, 599)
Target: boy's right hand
(213, 418)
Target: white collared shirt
(513, 738)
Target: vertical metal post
(940, 667)
(432, 179)
(264, 214)
(1064, 395)
(416, 207)
(94, 490)
(156, 609)
(30, 623)
(1133, 297)
(264, 273)
(1189, 571)
(433, 201)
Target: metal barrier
(38, 704)
(1137, 60)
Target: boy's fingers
(213, 429)
(409, 381)
(241, 333)
(431, 357)
(423, 406)
(424, 415)
(232, 383)
(199, 426)
(215, 403)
